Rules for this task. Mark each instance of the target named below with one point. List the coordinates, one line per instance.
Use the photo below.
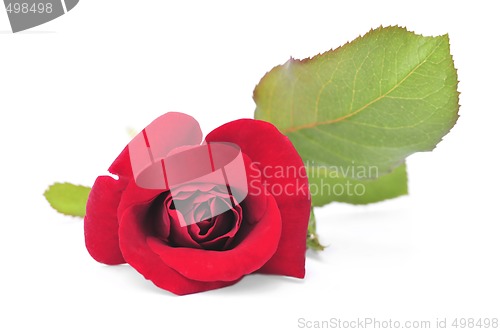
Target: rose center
(192, 219)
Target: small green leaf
(68, 198)
(312, 237)
(330, 186)
(368, 104)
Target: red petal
(101, 223)
(246, 257)
(264, 144)
(133, 241)
(121, 166)
(255, 208)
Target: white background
(69, 89)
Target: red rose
(264, 233)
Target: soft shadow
(135, 279)
(250, 284)
(256, 284)
(8, 32)
(318, 256)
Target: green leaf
(327, 187)
(68, 198)
(312, 237)
(365, 106)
